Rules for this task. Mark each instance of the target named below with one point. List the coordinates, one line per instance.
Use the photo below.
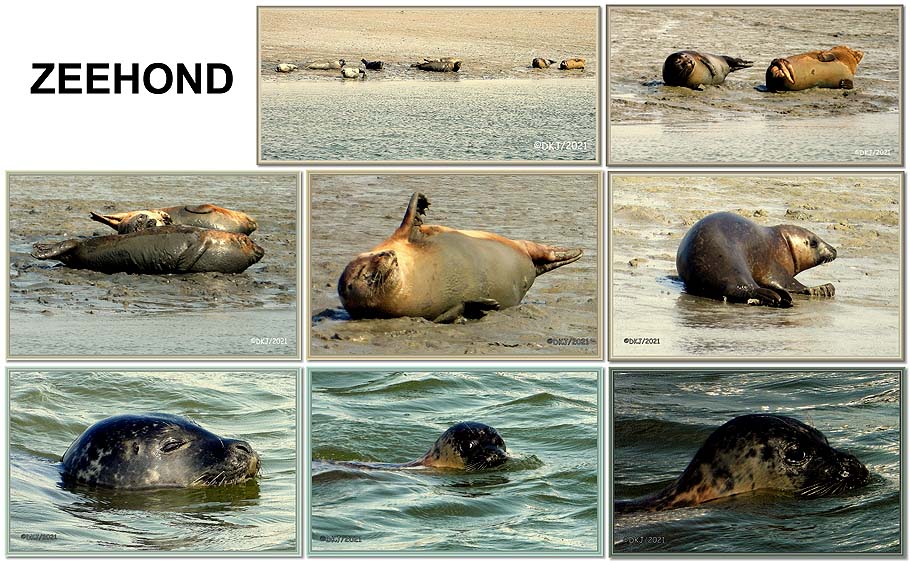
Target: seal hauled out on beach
(326, 65)
(758, 452)
(833, 68)
(726, 256)
(206, 216)
(172, 249)
(542, 63)
(371, 65)
(452, 65)
(470, 446)
(286, 67)
(693, 69)
(571, 64)
(150, 451)
(441, 274)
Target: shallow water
(739, 121)
(59, 311)
(858, 215)
(50, 409)
(544, 499)
(446, 119)
(560, 210)
(660, 419)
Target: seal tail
(111, 221)
(48, 251)
(737, 64)
(548, 258)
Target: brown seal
(694, 70)
(758, 452)
(726, 256)
(441, 274)
(440, 66)
(570, 64)
(206, 216)
(834, 68)
(541, 63)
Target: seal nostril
(243, 446)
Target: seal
(441, 274)
(351, 72)
(286, 67)
(440, 66)
(326, 65)
(172, 249)
(758, 452)
(541, 63)
(206, 216)
(834, 68)
(725, 256)
(148, 451)
(693, 69)
(570, 64)
(371, 65)
(468, 446)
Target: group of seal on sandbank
(150, 451)
(757, 452)
(441, 274)
(170, 240)
(832, 68)
(565, 64)
(470, 446)
(441, 64)
(725, 256)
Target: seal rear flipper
(737, 64)
(48, 251)
(548, 258)
(112, 221)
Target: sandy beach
(650, 122)
(857, 214)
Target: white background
(147, 132)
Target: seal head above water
(156, 451)
(758, 452)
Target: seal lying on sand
(156, 451)
(172, 249)
(570, 64)
(693, 69)
(834, 68)
(470, 446)
(756, 452)
(326, 65)
(439, 66)
(352, 72)
(725, 256)
(441, 274)
(286, 67)
(541, 63)
(371, 65)
(205, 216)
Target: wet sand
(496, 108)
(793, 124)
(351, 214)
(857, 214)
(59, 311)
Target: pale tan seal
(834, 68)
(571, 64)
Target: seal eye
(813, 243)
(171, 445)
(795, 454)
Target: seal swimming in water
(541, 63)
(758, 452)
(326, 65)
(834, 68)
(470, 446)
(571, 64)
(371, 65)
(441, 274)
(156, 450)
(206, 216)
(725, 256)
(694, 70)
(172, 249)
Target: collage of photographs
(587, 281)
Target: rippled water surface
(48, 410)
(60, 311)
(859, 215)
(660, 419)
(543, 500)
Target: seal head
(467, 445)
(156, 451)
(758, 452)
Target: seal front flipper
(474, 309)
(772, 297)
(825, 290)
(413, 217)
(48, 251)
(826, 57)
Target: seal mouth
(242, 463)
(491, 457)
